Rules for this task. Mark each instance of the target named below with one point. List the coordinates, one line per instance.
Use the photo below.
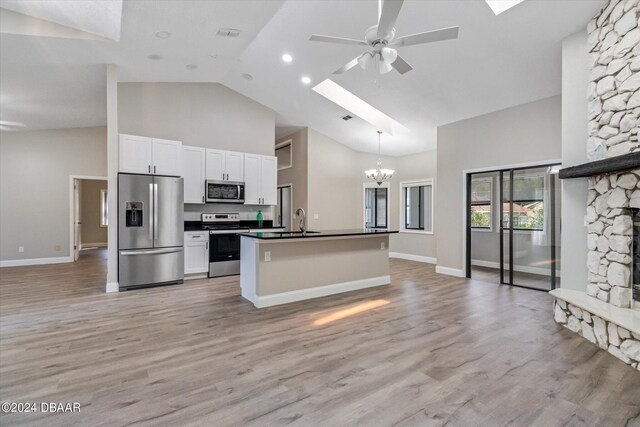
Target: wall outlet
(382, 246)
(267, 256)
(20, 249)
(316, 216)
(57, 248)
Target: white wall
(575, 78)
(522, 134)
(34, 187)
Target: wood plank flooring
(444, 351)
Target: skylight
(499, 6)
(350, 102)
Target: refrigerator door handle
(151, 223)
(150, 251)
(155, 211)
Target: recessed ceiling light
(350, 102)
(191, 66)
(163, 34)
(499, 6)
(287, 58)
(305, 80)
(247, 76)
(154, 56)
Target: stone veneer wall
(613, 92)
(608, 336)
(610, 228)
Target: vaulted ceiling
(49, 81)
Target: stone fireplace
(608, 313)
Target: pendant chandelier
(379, 175)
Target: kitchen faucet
(303, 221)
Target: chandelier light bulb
(379, 175)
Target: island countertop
(315, 234)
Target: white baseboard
(410, 257)
(35, 261)
(518, 268)
(93, 245)
(113, 287)
(449, 271)
(320, 291)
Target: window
(104, 209)
(481, 206)
(417, 206)
(528, 202)
(284, 155)
(376, 206)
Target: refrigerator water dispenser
(133, 214)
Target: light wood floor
(443, 351)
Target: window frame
(104, 208)
(416, 183)
(489, 229)
(366, 185)
(283, 144)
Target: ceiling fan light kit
(379, 38)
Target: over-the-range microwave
(224, 192)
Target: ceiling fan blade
(390, 11)
(339, 40)
(401, 65)
(346, 67)
(427, 37)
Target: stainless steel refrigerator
(150, 230)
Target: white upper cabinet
(139, 154)
(167, 157)
(193, 170)
(225, 165)
(260, 180)
(134, 154)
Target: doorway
(513, 226)
(89, 217)
(283, 213)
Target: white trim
(416, 183)
(410, 257)
(518, 268)
(35, 261)
(113, 287)
(457, 272)
(366, 185)
(464, 196)
(71, 210)
(317, 292)
(93, 245)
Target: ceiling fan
(381, 40)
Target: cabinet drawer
(196, 236)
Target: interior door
(77, 219)
(168, 213)
(234, 166)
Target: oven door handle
(218, 232)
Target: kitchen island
(278, 268)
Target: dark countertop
(310, 234)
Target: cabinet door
(252, 179)
(134, 154)
(193, 171)
(215, 165)
(234, 166)
(196, 254)
(167, 157)
(269, 180)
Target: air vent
(228, 32)
(346, 117)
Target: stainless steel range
(224, 242)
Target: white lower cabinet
(196, 252)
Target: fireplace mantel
(600, 167)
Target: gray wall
(522, 134)
(34, 186)
(200, 114)
(91, 232)
(575, 78)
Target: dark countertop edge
(250, 224)
(616, 164)
(328, 233)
